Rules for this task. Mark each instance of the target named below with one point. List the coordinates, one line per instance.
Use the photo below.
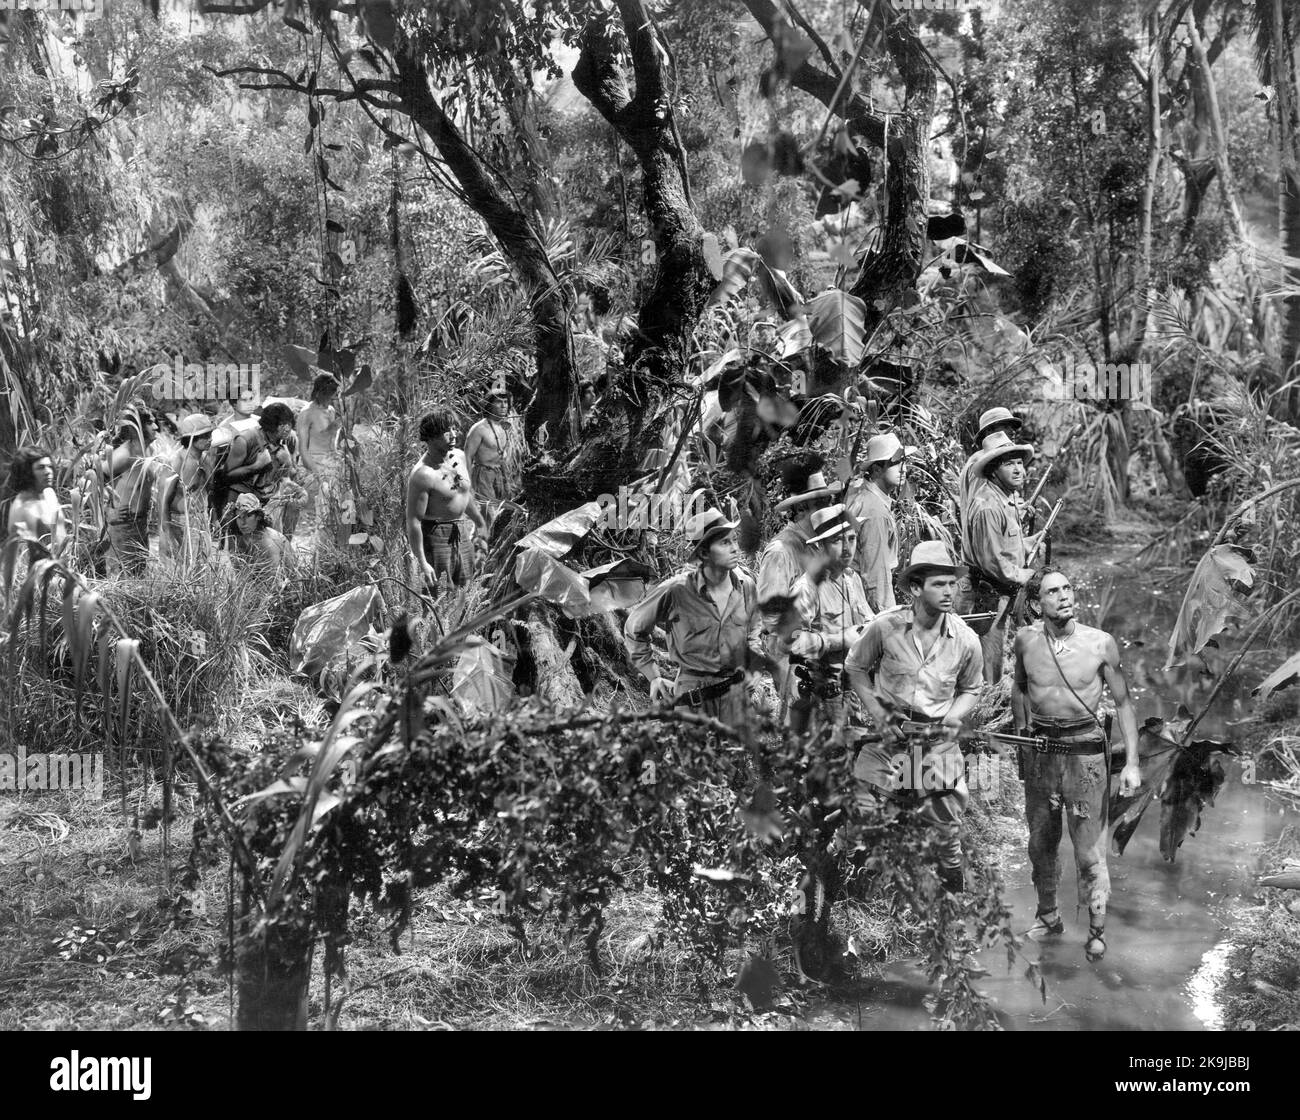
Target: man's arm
(640, 625)
(238, 453)
(472, 440)
(861, 664)
(1131, 776)
(416, 501)
(120, 459)
(873, 544)
(304, 426)
(1019, 685)
(970, 677)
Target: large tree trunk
(1285, 41)
(555, 390)
(657, 357)
(274, 971)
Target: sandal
(1097, 934)
(1042, 928)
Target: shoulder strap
(1065, 680)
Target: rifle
(1014, 606)
(996, 740)
(1047, 471)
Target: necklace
(1060, 645)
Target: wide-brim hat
(993, 416)
(818, 487)
(931, 557)
(829, 523)
(1000, 446)
(703, 527)
(886, 448)
(247, 503)
(195, 425)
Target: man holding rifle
(916, 671)
(1061, 668)
(995, 546)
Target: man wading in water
(442, 515)
(1060, 670)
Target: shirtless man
(485, 446)
(318, 428)
(439, 500)
(1061, 668)
(258, 458)
(129, 472)
(192, 469)
(35, 511)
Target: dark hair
(131, 424)
(436, 423)
(321, 382)
(1034, 588)
(273, 415)
(22, 475)
(918, 578)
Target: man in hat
(442, 513)
(486, 444)
(873, 508)
(832, 602)
(706, 611)
(994, 545)
(916, 670)
(1061, 668)
(786, 556)
(992, 421)
(191, 470)
(266, 548)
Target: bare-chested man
(485, 448)
(181, 533)
(35, 511)
(442, 514)
(1061, 667)
(318, 428)
(130, 475)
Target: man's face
(282, 433)
(1056, 598)
(498, 406)
(246, 523)
(201, 444)
(326, 395)
(724, 551)
(43, 474)
(848, 543)
(1010, 472)
(938, 593)
(1007, 426)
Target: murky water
(1169, 925)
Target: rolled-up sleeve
(777, 572)
(641, 622)
(867, 651)
(970, 670)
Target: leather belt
(696, 696)
(1045, 745)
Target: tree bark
(556, 388)
(1285, 40)
(658, 355)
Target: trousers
(1078, 785)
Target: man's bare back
(1082, 656)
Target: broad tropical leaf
(1209, 602)
(1284, 675)
(838, 322)
(737, 270)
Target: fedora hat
(816, 487)
(930, 556)
(703, 527)
(999, 447)
(886, 448)
(993, 416)
(830, 523)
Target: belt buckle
(1040, 744)
(695, 697)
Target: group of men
(904, 677)
(239, 482)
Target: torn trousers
(1077, 786)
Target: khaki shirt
(780, 567)
(890, 655)
(877, 555)
(831, 611)
(702, 640)
(994, 541)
